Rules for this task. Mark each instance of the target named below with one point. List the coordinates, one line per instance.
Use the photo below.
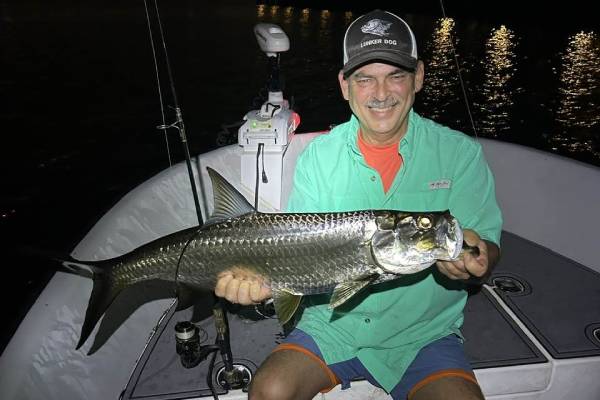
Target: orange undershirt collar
(384, 159)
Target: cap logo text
(377, 27)
(378, 41)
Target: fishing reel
(189, 347)
(188, 344)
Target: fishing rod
(188, 346)
(178, 124)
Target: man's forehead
(378, 68)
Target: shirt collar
(406, 143)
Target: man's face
(381, 95)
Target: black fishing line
(460, 78)
(183, 250)
(160, 95)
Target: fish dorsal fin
(228, 202)
(345, 290)
(286, 304)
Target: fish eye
(424, 222)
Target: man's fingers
(259, 292)
(474, 268)
(231, 292)
(222, 282)
(241, 287)
(477, 266)
(255, 292)
(452, 270)
(471, 237)
(467, 266)
(243, 295)
(457, 273)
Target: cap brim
(404, 61)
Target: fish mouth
(454, 244)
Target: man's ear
(419, 76)
(343, 85)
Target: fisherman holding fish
(402, 335)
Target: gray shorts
(441, 358)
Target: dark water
(80, 102)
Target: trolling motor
(267, 131)
(274, 122)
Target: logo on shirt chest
(440, 184)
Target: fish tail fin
(86, 269)
(104, 290)
(68, 264)
(103, 294)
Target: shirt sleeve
(473, 197)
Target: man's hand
(242, 286)
(469, 266)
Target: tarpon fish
(296, 254)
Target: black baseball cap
(379, 36)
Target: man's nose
(381, 90)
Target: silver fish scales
(301, 253)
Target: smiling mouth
(382, 110)
(381, 107)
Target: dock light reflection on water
(441, 75)
(578, 111)
(499, 69)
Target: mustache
(388, 102)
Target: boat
(532, 330)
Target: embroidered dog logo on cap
(377, 27)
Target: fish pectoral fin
(345, 290)
(286, 304)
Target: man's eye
(398, 77)
(363, 80)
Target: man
(401, 335)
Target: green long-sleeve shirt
(387, 324)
